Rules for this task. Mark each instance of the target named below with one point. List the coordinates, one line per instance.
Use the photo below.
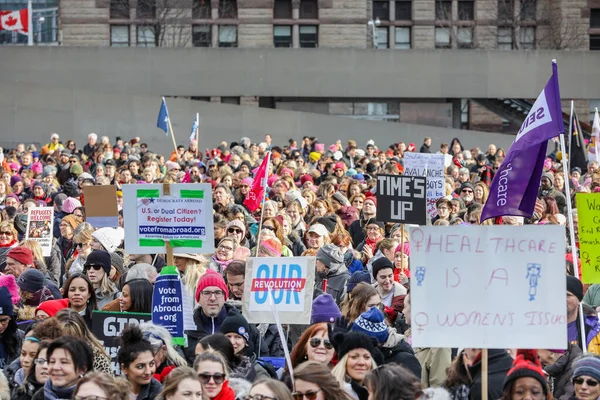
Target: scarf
(226, 392)
(372, 244)
(11, 244)
(53, 393)
(223, 264)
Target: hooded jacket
(336, 276)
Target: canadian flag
(15, 21)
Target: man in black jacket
(499, 363)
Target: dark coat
(150, 391)
(561, 373)
(499, 362)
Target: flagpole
(596, 144)
(570, 144)
(197, 133)
(29, 23)
(262, 204)
(171, 129)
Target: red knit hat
(526, 365)
(21, 254)
(211, 278)
(51, 307)
(371, 197)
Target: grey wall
(303, 72)
(28, 113)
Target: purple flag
(516, 183)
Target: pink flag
(257, 192)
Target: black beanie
(328, 221)
(381, 263)
(345, 342)
(6, 304)
(236, 323)
(575, 286)
(99, 257)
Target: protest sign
(432, 167)
(291, 281)
(588, 212)
(167, 303)
(101, 208)
(183, 217)
(107, 327)
(401, 198)
(40, 222)
(488, 287)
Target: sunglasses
(581, 381)
(6, 233)
(271, 228)
(316, 342)
(80, 245)
(310, 395)
(466, 191)
(234, 230)
(217, 378)
(95, 267)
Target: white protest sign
(40, 221)
(432, 167)
(488, 287)
(291, 281)
(184, 218)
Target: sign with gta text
(588, 211)
(430, 166)
(498, 286)
(402, 199)
(39, 227)
(107, 327)
(183, 218)
(289, 281)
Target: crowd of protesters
(320, 202)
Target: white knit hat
(109, 238)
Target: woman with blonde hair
(166, 358)
(321, 207)
(223, 255)
(100, 385)
(82, 238)
(181, 383)
(191, 267)
(9, 238)
(213, 373)
(481, 193)
(309, 195)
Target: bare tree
(461, 28)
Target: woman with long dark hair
(82, 297)
(137, 296)
(314, 380)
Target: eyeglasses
(316, 342)
(208, 295)
(4, 321)
(96, 267)
(222, 247)
(234, 230)
(217, 378)
(258, 397)
(310, 395)
(581, 381)
(40, 361)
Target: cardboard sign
(289, 280)
(101, 209)
(107, 326)
(167, 304)
(488, 287)
(432, 167)
(588, 212)
(401, 198)
(40, 221)
(184, 218)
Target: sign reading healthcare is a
(184, 218)
(488, 287)
(287, 282)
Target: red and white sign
(15, 21)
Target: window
(402, 38)
(282, 9)
(227, 9)
(465, 37)
(309, 9)
(119, 9)
(382, 37)
(466, 10)
(403, 10)
(595, 18)
(528, 10)
(381, 10)
(119, 35)
(309, 36)
(201, 36)
(282, 36)
(506, 10)
(227, 36)
(146, 9)
(201, 9)
(594, 42)
(442, 38)
(594, 103)
(443, 10)
(527, 38)
(505, 39)
(145, 36)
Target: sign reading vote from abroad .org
(488, 286)
(285, 282)
(402, 198)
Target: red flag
(256, 194)
(15, 21)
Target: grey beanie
(340, 198)
(48, 170)
(331, 256)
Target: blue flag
(195, 128)
(163, 117)
(515, 186)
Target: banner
(430, 166)
(101, 209)
(402, 199)
(40, 222)
(505, 290)
(167, 304)
(290, 280)
(588, 213)
(184, 218)
(107, 327)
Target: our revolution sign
(183, 217)
(402, 199)
(430, 166)
(504, 289)
(287, 283)
(40, 221)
